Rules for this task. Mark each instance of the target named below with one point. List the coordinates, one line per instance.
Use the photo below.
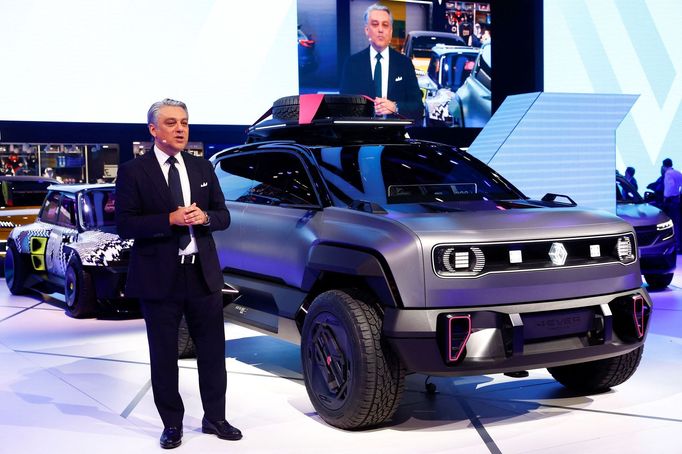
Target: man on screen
(382, 73)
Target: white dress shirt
(186, 192)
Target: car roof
(74, 188)
(442, 49)
(420, 33)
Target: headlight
(625, 249)
(665, 225)
(666, 229)
(458, 260)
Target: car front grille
(473, 260)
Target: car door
(235, 174)
(279, 220)
(64, 231)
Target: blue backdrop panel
(557, 142)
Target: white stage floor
(82, 386)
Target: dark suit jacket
(402, 81)
(143, 203)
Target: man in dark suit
(169, 202)
(382, 73)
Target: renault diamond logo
(558, 254)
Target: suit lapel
(392, 73)
(366, 75)
(151, 167)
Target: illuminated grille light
(595, 250)
(461, 260)
(480, 260)
(624, 249)
(446, 259)
(558, 254)
(515, 257)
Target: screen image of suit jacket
(403, 87)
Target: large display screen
(448, 42)
(92, 61)
(630, 47)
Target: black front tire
(16, 270)
(598, 376)
(79, 290)
(352, 376)
(658, 281)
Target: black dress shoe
(171, 437)
(222, 429)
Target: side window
(433, 68)
(67, 212)
(483, 69)
(235, 174)
(50, 209)
(282, 178)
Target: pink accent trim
(461, 347)
(307, 107)
(638, 314)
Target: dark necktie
(377, 77)
(176, 192)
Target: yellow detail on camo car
(38, 245)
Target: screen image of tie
(377, 77)
(176, 192)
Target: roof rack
(311, 119)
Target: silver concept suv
(383, 256)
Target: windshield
(408, 174)
(626, 193)
(97, 208)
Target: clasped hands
(384, 106)
(190, 215)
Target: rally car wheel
(287, 108)
(598, 376)
(79, 290)
(16, 270)
(186, 347)
(658, 281)
(353, 378)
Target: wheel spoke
(330, 361)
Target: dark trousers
(203, 311)
(671, 207)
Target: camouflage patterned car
(20, 200)
(72, 248)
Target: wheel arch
(335, 266)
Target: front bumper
(520, 336)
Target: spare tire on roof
(335, 106)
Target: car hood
(512, 225)
(640, 214)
